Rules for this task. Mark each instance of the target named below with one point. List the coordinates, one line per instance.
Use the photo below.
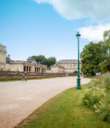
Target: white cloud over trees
(94, 33)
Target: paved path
(19, 99)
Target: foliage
(48, 68)
(105, 64)
(96, 96)
(75, 71)
(91, 57)
(51, 61)
(90, 75)
(47, 61)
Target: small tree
(105, 64)
(75, 71)
(91, 57)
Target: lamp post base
(78, 84)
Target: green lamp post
(78, 79)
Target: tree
(75, 71)
(40, 58)
(105, 65)
(91, 58)
(49, 61)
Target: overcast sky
(48, 27)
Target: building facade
(2, 57)
(6, 64)
(57, 69)
(69, 65)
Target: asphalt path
(19, 99)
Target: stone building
(2, 57)
(69, 65)
(57, 69)
(6, 64)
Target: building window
(65, 66)
(2, 58)
(73, 65)
(70, 65)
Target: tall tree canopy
(40, 58)
(91, 58)
(105, 65)
(51, 61)
(47, 61)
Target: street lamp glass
(78, 35)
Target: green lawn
(64, 111)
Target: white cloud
(98, 10)
(94, 33)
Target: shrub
(97, 97)
(92, 96)
(75, 72)
(106, 78)
(90, 75)
(103, 108)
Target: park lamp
(78, 79)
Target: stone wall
(16, 67)
(13, 73)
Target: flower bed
(97, 96)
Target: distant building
(69, 65)
(6, 64)
(2, 57)
(57, 69)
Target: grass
(64, 111)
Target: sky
(49, 27)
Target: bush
(90, 75)
(106, 78)
(97, 97)
(75, 72)
(92, 96)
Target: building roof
(2, 45)
(31, 58)
(68, 61)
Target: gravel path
(19, 99)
